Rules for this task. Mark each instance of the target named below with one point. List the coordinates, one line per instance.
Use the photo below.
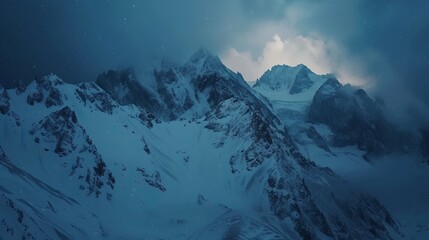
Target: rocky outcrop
(124, 88)
(20, 87)
(318, 139)
(36, 96)
(92, 96)
(54, 98)
(153, 179)
(4, 101)
(61, 133)
(44, 89)
(298, 201)
(352, 115)
(175, 98)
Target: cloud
(386, 41)
(321, 56)
(382, 46)
(292, 51)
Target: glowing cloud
(320, 55)
(292, 51)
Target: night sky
(380, 45)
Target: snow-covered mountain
(293, 80)
(188, 152)
(290, 90)
(341, 127)
(350, 115)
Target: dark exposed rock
(318, 139)
(176, 100)
(124, 88)
(45, 86)
(217, 87)
(51, 207)
(61, 129)
(145, 147)
(153, 179)
(19, 227)
(20, 87)
(201, 199)
(54, 98)
(35, 96)
(4, 101)
(61, 125)
(252, 125)
(48, 82)
(302, 81)
(353, 117)
(261, 129)
(91, 95)
(294, 202)
(147, 118)
(299, 207)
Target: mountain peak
(201, 53)
(203, 61)
(204, 57)
(330, 86)
(284, 67)
(283, 77)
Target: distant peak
(203, 61)
(51, 78)
(287, 67)
(303, 67)
(283, 77)
(203, 55)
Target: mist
(398, 181)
